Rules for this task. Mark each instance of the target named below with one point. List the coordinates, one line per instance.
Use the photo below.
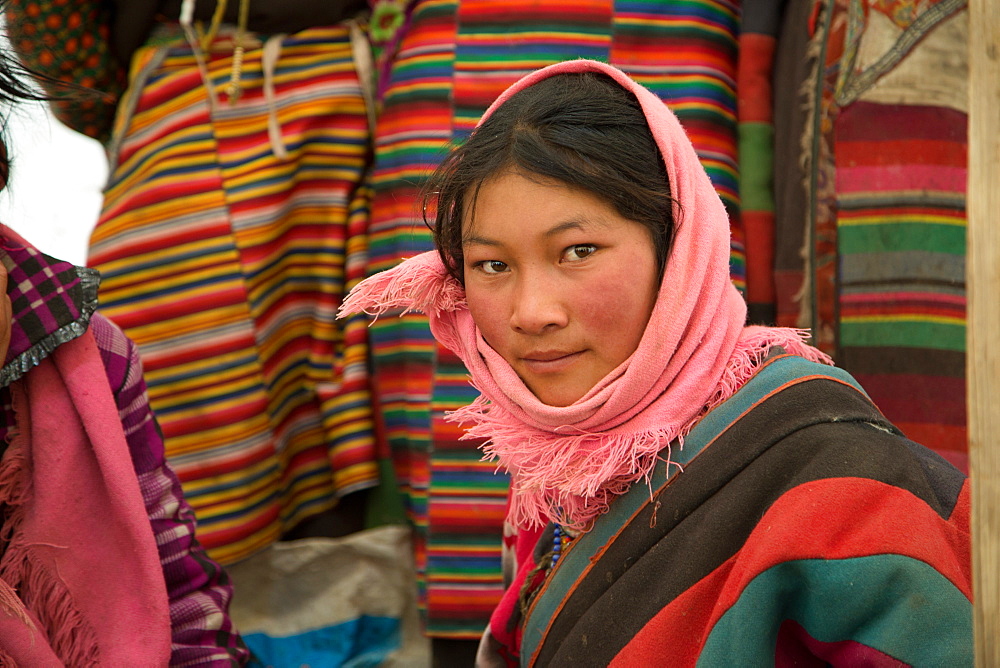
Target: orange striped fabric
(226, 264)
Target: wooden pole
(983, 333)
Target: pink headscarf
(567, 463)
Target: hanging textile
(883, 256)
(229, 232)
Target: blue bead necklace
(558, 540)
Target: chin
(558, 398)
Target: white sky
(57, 175)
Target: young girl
(684, 489)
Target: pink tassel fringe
(72, 640)
(571, 479)
(419, 284)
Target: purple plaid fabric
(52, 303)
(47, 296)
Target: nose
(538, 305)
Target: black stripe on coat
(817, 429)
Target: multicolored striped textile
(754, 87)
(452, 61)
(886, 243)
(844, 544)
(228, 235)
(901, 173)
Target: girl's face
(557, 281)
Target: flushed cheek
(491, 316)
(618, 315)
(614, 323)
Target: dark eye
(579, 252)
(492, 266)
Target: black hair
(582, 129)
(13, 90)
(15, 80)
(17, 85)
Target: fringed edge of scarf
(572, 478)
(41, 592)
(755, 344)
(420, 283)
(13, 492)
(575, 482)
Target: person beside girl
(99, 564)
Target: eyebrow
(474, 239)
(479, 241)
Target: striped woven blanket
(803, 530)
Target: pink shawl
(81, 555)
(567, 463)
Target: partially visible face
(557, 281)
